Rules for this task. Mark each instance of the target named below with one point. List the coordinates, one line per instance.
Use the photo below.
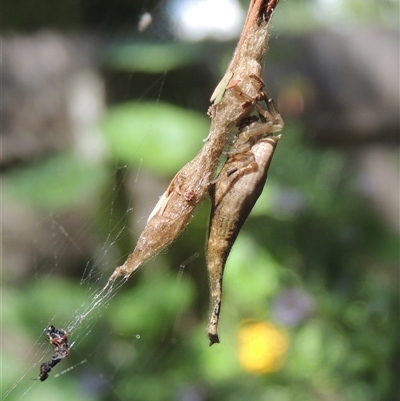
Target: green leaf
(252, 274)
(55, 183)
(152, 305)
(156, 135)
(151, 57)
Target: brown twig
(190, 185)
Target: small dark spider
(58, 338)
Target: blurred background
(102, 103)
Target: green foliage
(158, 136)
(163, 298)
(56, 183)
(310, 230)
(152, 342)
(309, 15)
(151, 57)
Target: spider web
(81, 319)
(72, 255)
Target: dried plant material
(236, 97)
(190, 185)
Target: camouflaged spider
(235, 191)
(58, 338)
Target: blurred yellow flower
(262, 346)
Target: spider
(58, 338)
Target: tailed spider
(58, 338)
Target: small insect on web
(58, 338)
